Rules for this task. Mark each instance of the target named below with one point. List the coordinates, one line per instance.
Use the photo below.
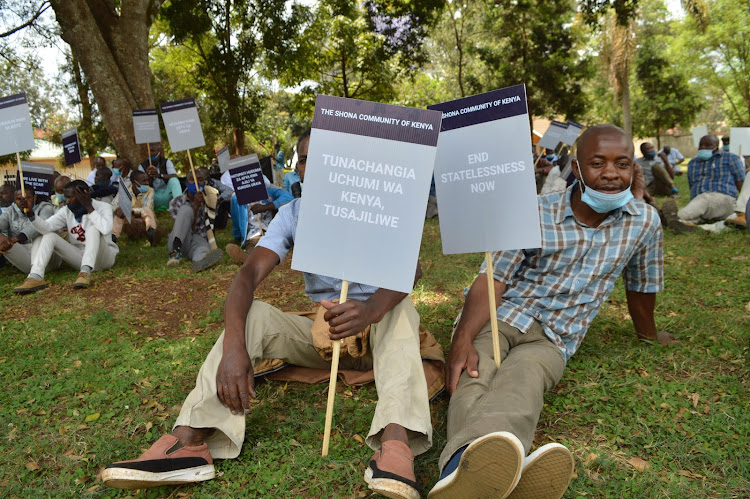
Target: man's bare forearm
(476, 311)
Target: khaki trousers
(147, 215)
(662, 184)
(273, 334)
(509, 399)
(708, 207)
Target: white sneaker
(489, 467)
(546, 473)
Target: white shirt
(100, 218)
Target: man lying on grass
(591, 233)
(211, 423)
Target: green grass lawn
(94, 376)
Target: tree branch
(42, 8)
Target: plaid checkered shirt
(718, 174)
(563, 284)
(200, 226)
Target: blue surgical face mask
(116, 172)
(725, 147)
(650, 155)
(60, 197)
(549, 157)
(192, 190)
(601, 202)
(154, 159)
(704, 154)
(143, 188)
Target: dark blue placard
(481, 108)
(71, 148)
(247, 179)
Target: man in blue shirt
(715, 178)
(592, 233)
(211, 423)
(278, 165)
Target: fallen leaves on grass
(31, 465)
(638, 463)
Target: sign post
(183, 127)
(15, 127)
(739, 140)
(247, 179)
(552, 137)
(71, 146)
(698, 132)
(146, 128)
(368, 176)
(484, 168)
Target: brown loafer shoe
(83, 281)
(166, 462)
(30, 286)
(236, 253)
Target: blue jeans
(239, 219)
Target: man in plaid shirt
(715, 177)
(592, 233)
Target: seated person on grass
(121, 170)
(98, 163)
(224, 202)
(592, 233)
(715, 178)
(143, 219)
(89, 246)
(163, 177)
(189, 236)
(21, 235)
(211, 424)
(657, 171)
(103, 189)
(58, 197)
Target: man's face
(667, 149)
(30, 198)
(70, 195)
(708, 143)
(101, 177)
(6, 196)
(60, 183)
(606, 162)
(156, 150)
(302, 157)
(99, 162)
(646, 148)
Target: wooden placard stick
(192, 169)
(20, 174)
(493, 307)
(334, 376)
(148, 148)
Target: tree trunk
(238, 137)
(112, 49)
(627, 119)
(87, 125)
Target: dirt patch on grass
(181, 306)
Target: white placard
(182, 124)
(571, 133)
(367, 180)
(739, 141)
(125, 201)
(16, 134)
(552, 136)
(698, 133)
(146, 126)
(484, 174)
(222, 156)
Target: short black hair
(75, 184)
(27, 187)
(305, 135)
